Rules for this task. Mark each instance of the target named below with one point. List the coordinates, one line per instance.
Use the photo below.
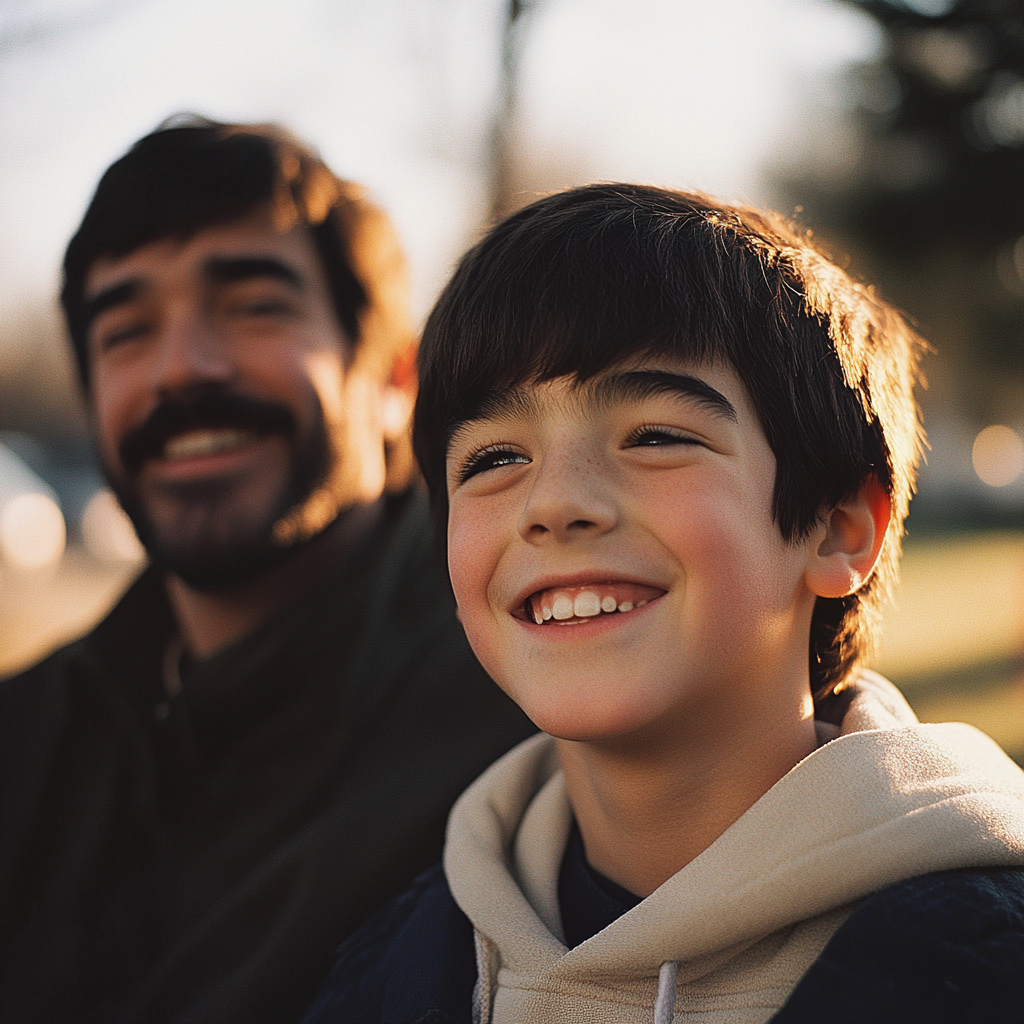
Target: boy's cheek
(471, 564)
(470, 567)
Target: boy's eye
(651, 437)
(491, 458)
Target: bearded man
(260, 743)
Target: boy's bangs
(593, 332)
(574, 307)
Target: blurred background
(892, 128)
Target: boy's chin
(591, 719)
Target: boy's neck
(645, 810)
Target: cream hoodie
(728, 937)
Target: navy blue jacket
(946, 948)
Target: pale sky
(399, 94)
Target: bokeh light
(32, 531)
(998, 455)
(107, 532)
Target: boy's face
(614, 556)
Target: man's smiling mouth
(195, 444)
(211, 423)
(570, 606)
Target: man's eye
(112, 337)
(652, 437)
(264, 307)
(491, 458)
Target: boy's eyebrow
(630, 385)
(518, 400)
(636, 385)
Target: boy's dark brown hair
(193, 173)
(584, 279)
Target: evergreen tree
(931, 199)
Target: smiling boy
(673, 447)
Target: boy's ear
(845, 546)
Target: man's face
(226, 417)
(613, 552)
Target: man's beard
(223, 551)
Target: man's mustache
(205, 411)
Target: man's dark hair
(193, 173)
(584, 279)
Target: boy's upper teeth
(563, 603)
(196, 443)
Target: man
(260, 744)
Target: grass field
(954, 642)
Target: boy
(674, 448)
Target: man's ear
(399, 394)
(845, 546)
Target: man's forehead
(254, 235)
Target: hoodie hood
(883, 799)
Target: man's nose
(190, 352)
(571, 498)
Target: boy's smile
(568, 606)
(636, 509)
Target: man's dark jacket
(199, 859)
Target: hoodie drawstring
(665, 1005)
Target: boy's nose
(569, 500)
